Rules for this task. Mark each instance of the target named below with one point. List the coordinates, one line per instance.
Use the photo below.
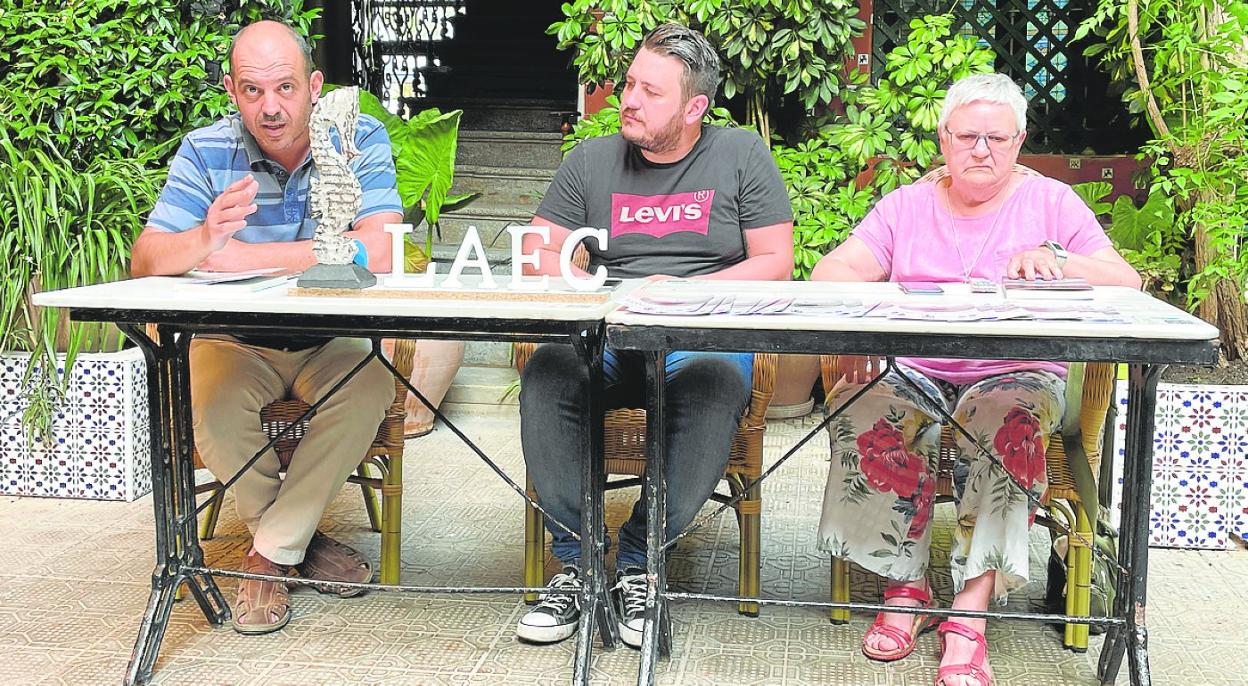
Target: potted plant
(75, 425)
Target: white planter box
(100, 446)
(1200, 464)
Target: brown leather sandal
(261, 607)
(329, 560)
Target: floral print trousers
(877, 507)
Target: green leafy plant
(1144, 236)
(827, 203)
(64, 226)
(884, 138)
(1182, 68)
(769, 48)
(118, 78)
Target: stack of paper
(1071, 284)
(1048, 289)
(235, 282)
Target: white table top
(1148, 317)
(171, 294)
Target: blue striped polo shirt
(213, 157)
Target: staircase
(516, 91)
(511, 169)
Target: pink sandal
(978, 667)
(905, 641)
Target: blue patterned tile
(1199, 452)
(98, 447)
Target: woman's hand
(1036, 263)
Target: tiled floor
(59, 624)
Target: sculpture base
(350, 276)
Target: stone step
(502, 182)
(487, 354)
(491, 221)
(522, 149)
(507, 198)
(482, 386)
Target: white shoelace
(559, 601)
(633, 590)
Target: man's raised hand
(228, 213)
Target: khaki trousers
(231, 382)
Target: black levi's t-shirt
(683, 218)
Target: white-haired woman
(983, 220)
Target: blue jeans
(704, 397)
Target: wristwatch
(1059, 252)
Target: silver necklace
(957, 240)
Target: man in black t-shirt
(682, 199)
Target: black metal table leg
(1131, 601)
(169, 497)
(597, 610)
(202, 586)
(656, 637)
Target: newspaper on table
(693, 304)
(696, 304)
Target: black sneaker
(630, 600)
(555, 616)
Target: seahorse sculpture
(334, 193)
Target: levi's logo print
(660, 215)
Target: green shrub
(64, 225)
(886, 137)
(769, 48)
(119, 78)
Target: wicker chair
(385, 454)
(624, 445)
(1098, 386)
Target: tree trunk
(756, 114)
(1224, 307)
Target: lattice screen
(1071, 110)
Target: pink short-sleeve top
(913, 236)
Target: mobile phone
(920, 287)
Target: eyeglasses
(970, 139)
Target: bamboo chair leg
(370, 499)
(1078, 582)
(208, 528)
(749, 515)
(840, 590)
(391, 517)
(534, 545)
